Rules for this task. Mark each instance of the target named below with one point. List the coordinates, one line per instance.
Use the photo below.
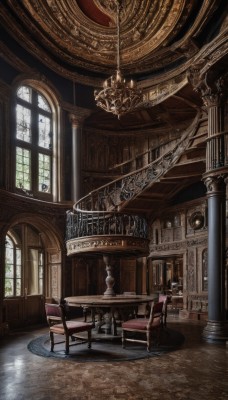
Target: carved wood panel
(128, 276)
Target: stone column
(213, 95)
(77, 119)
(216, 325)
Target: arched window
(12, 268)
(24, 262)
(34, 147)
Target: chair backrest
(156, 313)
(55, 314)
(162, 297)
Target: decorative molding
(196, 220)
(149, 32)
(202, 241)
(162, 91)
(211, 87)
(215, 184)
(181, 245)
(77, 119)
(109, 244)
(164, 247)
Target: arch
(52, 242)
(40, 84)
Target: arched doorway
(32, 269)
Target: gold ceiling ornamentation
(156, 35)
(109, 7)
(67, 34)
(118, 96)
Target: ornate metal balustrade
(97, 224)
(85, 223)
(111, 196)
(106, 232)
(143, 159)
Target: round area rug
(106, 350)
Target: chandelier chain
(118, 96)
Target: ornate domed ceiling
(80, 35)
(77, 40)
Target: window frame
(32, 263)
(34, 147)
(14, 278)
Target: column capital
(215, 183)
(210, 86)
(77, 118)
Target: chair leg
(149, 340)
(67, 345)
(89, 339)
(52, 340)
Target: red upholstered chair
(144, 326)
(164, 299)
(56, 318)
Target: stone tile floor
(196, 371)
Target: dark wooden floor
(196, 371)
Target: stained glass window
(23, 123)
(44, 132)
(33, 142)
(23, 168)
(43, 104)
(25, 93)
(44, 173)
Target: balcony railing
(97, 224)
(83, 224)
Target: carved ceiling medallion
(82, 33)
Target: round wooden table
(108, 308)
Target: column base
(216, 331)
(109, 293)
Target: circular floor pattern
(106, 350)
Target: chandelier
(117, 95)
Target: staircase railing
(112, 196)
(142, 159)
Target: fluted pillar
(213, 90)
(77, 123)
(216, 328)
(213, 94)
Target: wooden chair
(163, 298)
(56, 318)
(144, 326)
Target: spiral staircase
(113, 219)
